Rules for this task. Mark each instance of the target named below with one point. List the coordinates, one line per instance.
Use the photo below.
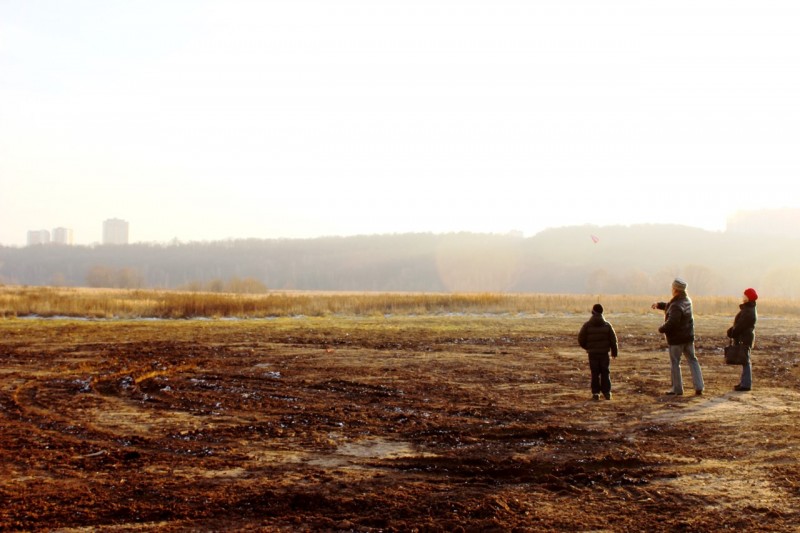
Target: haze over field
(204, 120)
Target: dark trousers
(601, 376)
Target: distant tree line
(639, 259)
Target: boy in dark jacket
(598, 337)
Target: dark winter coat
(597, 336)
(678, 321)
(744, 325)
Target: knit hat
(751, 294)
(679, 284)
(597, 308)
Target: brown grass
(120, 303)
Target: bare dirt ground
(384, 424)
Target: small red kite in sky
(595, 239)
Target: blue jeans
(746, 380)
(675, 352)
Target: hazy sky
(203, 120)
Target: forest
(638, 259)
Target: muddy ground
(388, 424)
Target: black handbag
(736, 353)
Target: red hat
(751, 294)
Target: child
(598, 337)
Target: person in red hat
(743, 331)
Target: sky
(206, 120)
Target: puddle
(377, 449)
(351, 453)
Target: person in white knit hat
(679, 329)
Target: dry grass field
(119, 303)
(375, 421)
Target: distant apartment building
(62, 236)
(115, 231)
(38, 236)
